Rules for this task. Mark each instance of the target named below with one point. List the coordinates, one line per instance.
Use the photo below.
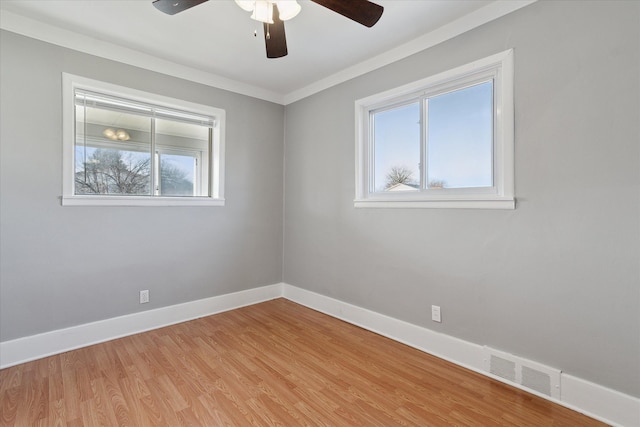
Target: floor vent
(529, 374)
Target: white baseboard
(34, 347)
(605, 404)
(596, 401)
(609, 406)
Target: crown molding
(51, 34)
(455, 28)
(58, 36)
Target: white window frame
(498, 67)
(202, 170)
(72, 82)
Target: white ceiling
(214, 42)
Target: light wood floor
(275, 363)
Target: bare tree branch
(399, 175)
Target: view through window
(445, 141)
(123, 148)
(458, 133)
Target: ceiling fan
(273, 13)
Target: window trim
(197, 156)
(500, 195)
(72, 82)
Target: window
(127, 147)
(443, 142)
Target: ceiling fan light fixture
(263, 11)
(246, 4)
(288, 9)
(364, 12)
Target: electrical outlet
(435, 313)
(144, 296)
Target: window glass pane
(112, 152)
(460, 138)
(184, 158)
(397, 149)
(177, 175)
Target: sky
(459, 138)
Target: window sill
(437, 204)
(139, 201)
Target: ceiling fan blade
(361, 11)
(171, 7)
(274, 37)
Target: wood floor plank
(275, 363)
(10, 403)
(57, 417)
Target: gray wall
(64, 266)
(558, 279)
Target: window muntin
(127, 147)
(445, 141)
